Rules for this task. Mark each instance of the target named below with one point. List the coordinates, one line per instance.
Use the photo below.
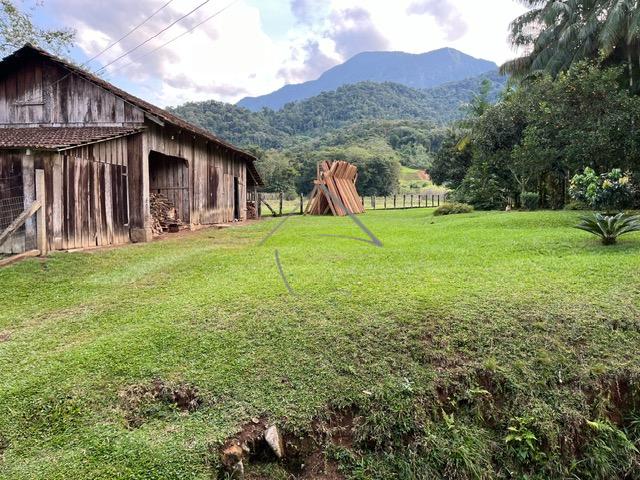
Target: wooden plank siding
(40, 92)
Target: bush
(576, 205)
(609, 192)
(530, 200)
(453, 209)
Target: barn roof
(57, 138)
(147, 107)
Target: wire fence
(11, 200)
(280, 203)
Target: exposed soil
(5, 336)
(424, 175)
(305, 455)
(142, 400)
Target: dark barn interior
(169, 176)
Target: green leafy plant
(453, 209)
(610, 227)
(523, 443)
(608, 454)
(609, 192)
(530, 200)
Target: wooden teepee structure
(335, 190)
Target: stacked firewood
(335, 190)
(164, 216)
(252, 211)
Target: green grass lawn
(455, 330)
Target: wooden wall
(31, 94)
(87, 196)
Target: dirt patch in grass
(305, 454)
(142, 401)
(5, 336)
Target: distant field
(414, 181)
(431, 357)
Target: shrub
(610, 227)
(530, 200)
(609, 192)
(576, 205)
(453, 209)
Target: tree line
(574, 105)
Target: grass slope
(455, 330)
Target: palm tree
(620, 36)
(557, 33)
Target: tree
(452, 162)
(277, 171)
(558, 34)
(17, 28)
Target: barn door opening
(169, 178)
(236, 198)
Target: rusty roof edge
(133, 131)
(131, 99)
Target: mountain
(336, 109)
(421, 71)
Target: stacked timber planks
(335, 190)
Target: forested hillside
(333, 110)
(421, 71)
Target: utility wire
(126, 35)
(178, 37)
(128, 52)
(113, 44)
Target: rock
(274, 440)
(232, 456)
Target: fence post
(373, 202)
(404, 201)
(41, 216)
(385, 202)
(412, 200)
(281, 201)
(259, 203)
(433, 200)
(419, 197)
(29, 192)
(301, 204)
(394, 201)
(438, 199)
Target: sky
(253, 47)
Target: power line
(126, 35)
(113, 44)
(152, 37)
(178, 37)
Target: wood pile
(164, 216)
(339, 180)
(252, 211)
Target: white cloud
(232, 56)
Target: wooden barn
(104, 152)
